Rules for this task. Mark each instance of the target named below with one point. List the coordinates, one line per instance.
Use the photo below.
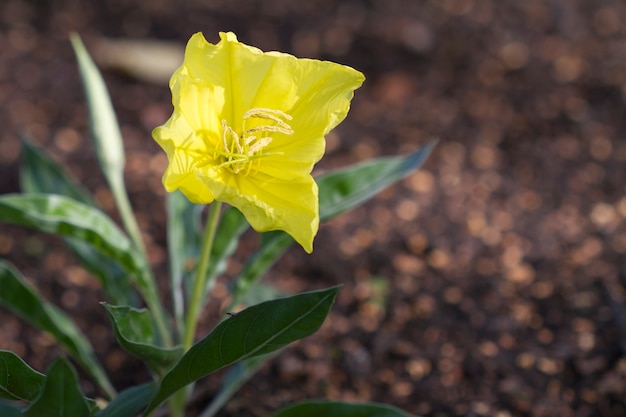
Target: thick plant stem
(197, 296)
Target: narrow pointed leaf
(40, 174)
(61, 395)
(255, 331)
(135, 333)
(18, 381)
(114, 279)
(273, 246)
(342, 190)
(340, 409)
(71, 219)
(108, 140)
(260, 293)
(130, 402)
(19, 298)
(339, 191)
(105, 129)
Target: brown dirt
(504, 256)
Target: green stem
(177, 402)
(151, 296)
(147, 286)
(199, 286)
(126, 213)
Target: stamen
(260, 144)
(261, 112)
(280, 129)
(241, 150)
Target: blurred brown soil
(490, 283)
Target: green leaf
(18, 381)
(113, 278)
(134, 331)
(61, 395)
(9, 411)
(40, 174)
(273, 246)
(184, 241)
(104, 126)
(236, 376)
(339, 191)
(109, 145)
(22, 300)
(339, 409)
(342, 190)
(259, 293)
(130, 402)
(255, 331)
(69, 218)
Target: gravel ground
(490, 283)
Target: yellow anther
(240, 150)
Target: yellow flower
(248, 127)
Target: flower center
(241, 150)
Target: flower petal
(184, 153)
(199, 103)
(289, 206)
(248, 127)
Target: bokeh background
(490, 283)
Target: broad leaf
(135, 333)
(69, 218)
(339, 409)
(22, 300)
(130, 402)
(18, 381)
(40, 174)
(255, 331)
(60, 395)
(239, 373)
